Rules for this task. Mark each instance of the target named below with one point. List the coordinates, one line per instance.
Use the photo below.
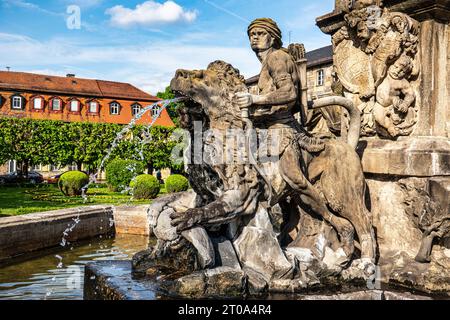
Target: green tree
(172, 108)
(25, 141)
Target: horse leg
(313, 200)
(343, 184)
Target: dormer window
(93, 106)
(38, 103)
(156, 110)
(135, 109)
(17, 102)
(56, 104)
(74, 105)
(114, 108)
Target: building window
(38, 103)
(93, 107)
(156, 110)
(36, 167)
(17, 102)
(74, 106)
(56, 104)
(320, 77)
(12, 166)
(72, 167)
(135, 109)
(114, 108)
(53, 168)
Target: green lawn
(23, 200)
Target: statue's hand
(367, 94)
(186, 220)
(244, 99)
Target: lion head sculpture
(211, 91)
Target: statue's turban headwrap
(270, 26)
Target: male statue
(273, 109)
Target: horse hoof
(367, 266)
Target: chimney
(70, 75)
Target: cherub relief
(395, 96)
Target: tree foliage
(172, 108)
(32, 142)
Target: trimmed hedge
(119, 173)
(72, 182)
(176, 183)
(145, 186)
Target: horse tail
(355, 115)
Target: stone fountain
(276, 209)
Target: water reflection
(41, 279)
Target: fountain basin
(20, 235)
(113, 280)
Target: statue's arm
(409, 98)
(281, 72)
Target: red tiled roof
(71, 86)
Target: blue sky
(144, 42)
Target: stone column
(395, 169)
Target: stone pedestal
(416, 166)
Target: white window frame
(14, 105)
(114, 108)
(12, 166)
(59, 106)
(134, 107)
(41, 104)
(320, 77)
(36, 167)
(156, 111)
(96, 107)
(71, 105)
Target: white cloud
(147, 66)
(150, 13)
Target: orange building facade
(71, 99)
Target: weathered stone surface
(287, 286)
(170, 261)
(419, 157)
(256, 284)
(429, 278)
(163, 229)
(361, 295)
(395, 230)
(185, 200)
(132, 220)
(31, 232)
(389, 295)
(225, 254)
(225, 282)
(199, 238)
(191, 285)
(267, 257)
(112, 280)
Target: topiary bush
(176, 183)
(145, 186)
(72, 182)
(119, 173)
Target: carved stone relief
(382, 74)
